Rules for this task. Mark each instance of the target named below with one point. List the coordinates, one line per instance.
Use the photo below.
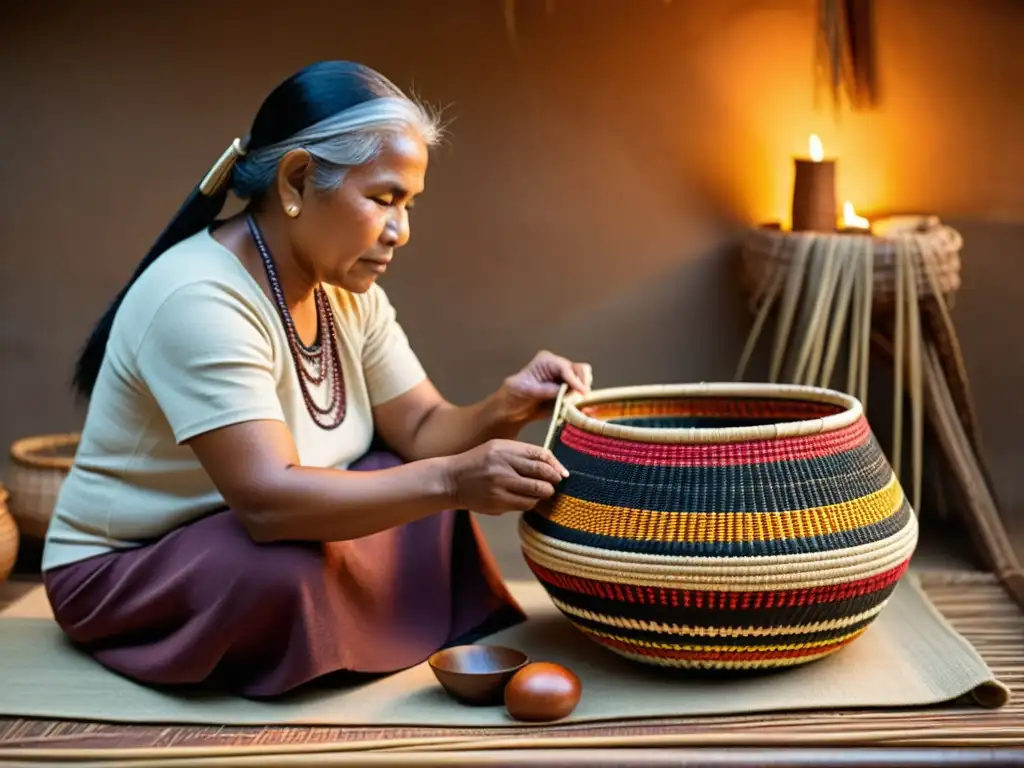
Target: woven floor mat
(974, 604)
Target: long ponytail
(198, 211)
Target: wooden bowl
(477, 674)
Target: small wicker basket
(39, 465)
(8, 537)
(770, 254)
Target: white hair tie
(218, 174)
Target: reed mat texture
(977, 613)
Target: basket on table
(39, 465)
(933, 250)
(8, 537)
(726, 526)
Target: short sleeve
(390, 365)
(207, 359)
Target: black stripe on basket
(867, 534)
(779, 616)
(777, 486)
(697, 422)
(666, 638)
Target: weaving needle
(555, 416)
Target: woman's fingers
(511, 502)
(572, 377)
(539, 453)
(584, 373)
(535, 468)
(529, 487)
(576, 375)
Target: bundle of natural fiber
(830, 288)
(931, 250)
(39, 465)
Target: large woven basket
(720, 526)
(39, 465)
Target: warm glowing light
(851, 219)
(816, 150)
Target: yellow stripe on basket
(732, 574)
(693, 631)
(739, 650)
(708, 527)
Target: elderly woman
(228, 517)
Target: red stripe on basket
(738, 655)
(722, 454)
(719, 600)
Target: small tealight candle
(814, 191)
(852, 223)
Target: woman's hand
(502, 476)
(528, 395)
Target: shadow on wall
(684, 324)
(564, 234)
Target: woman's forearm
(307, 503)
(449, 429)
(314, 504)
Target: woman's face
(347, 237)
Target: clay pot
(8, 538)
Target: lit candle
(814, 191)
(852, 223)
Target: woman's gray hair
(343, 141)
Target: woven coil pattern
(767, 252)
(775, 544)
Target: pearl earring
(292, 210)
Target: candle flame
(816, 150)
(851, 219)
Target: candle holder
(814, 191)
(814, 196)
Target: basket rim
(22, 450)
(852, 411)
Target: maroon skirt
(206, 604)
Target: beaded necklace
(318, 362)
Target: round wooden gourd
(726, 526)
(39, 465)
(8, 538)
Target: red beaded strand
(322, 355)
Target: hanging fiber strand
(845, 52)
